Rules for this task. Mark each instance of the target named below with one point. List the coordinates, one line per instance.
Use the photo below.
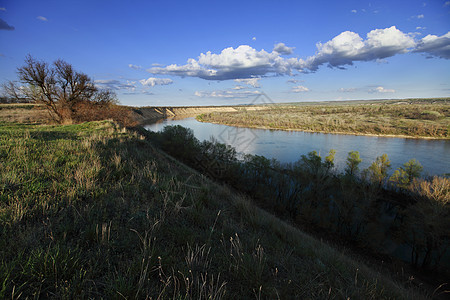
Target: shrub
(430, 115)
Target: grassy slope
(92, 210)
(420, 119)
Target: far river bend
(288, 146)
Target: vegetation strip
(423, 118)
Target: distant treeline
(7, 100)
(401, 215)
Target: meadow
(94, 210)
(419, 118)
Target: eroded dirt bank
(148, 114)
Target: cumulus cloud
(244, 62)
(254, 38)
(435, 45)
(239, 87)
(112, 84)
(226, 94)
(354, 11)
(283, 49)
(349, 47)
(41, 18)
(299, 89)
(135, 67)
(249, 81)
(380, 89)
(5, 26)
(152, 81)
(249, 64)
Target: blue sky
(229, 52)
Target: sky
(183, 53)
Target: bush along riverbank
(96, 211)
(402, 215)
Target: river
(288, 146)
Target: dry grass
(431, 120)
(23, 113)
(95, 211)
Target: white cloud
(299, 89)
(152, 81)
(42, 18)
(421, 16)
(435, 45)
(380, 89)
(347, 90)
(420, 28)
(249, 64)
(249, 81)
(254, 38)
(226, 94)
(239, 87)
(244, 62)
(354, 11)
(283, 49)
(349, 47)
(135, 67)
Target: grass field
(23, 113)
(95, 211)
(420, 118)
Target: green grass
(418, 119)
(95, 211)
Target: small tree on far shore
(66, 93)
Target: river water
(288, 146)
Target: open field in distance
(23, 113)
(424, 118)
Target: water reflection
(288, 146)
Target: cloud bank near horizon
(247, 63)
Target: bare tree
(59, 87)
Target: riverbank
(416, 120)
(198, 118)
(148, 114)
(94, 210)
